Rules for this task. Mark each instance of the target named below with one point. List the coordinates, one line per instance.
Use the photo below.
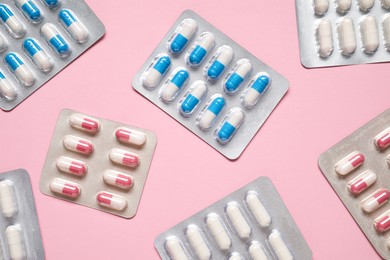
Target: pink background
(321, 107)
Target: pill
(123, 157)
(343, 6)
(369, 31)
(258, 210)
(349, 163)
(7, 199)
(30, 9)
(222, 59)
(240, 224)
(279, 247)
(203, 45)
(386, 31)
(15, 241)
(84, 123)
(173, 86)
(77, 144)
(362, 182)
(55, 40)
(346, 33)
(256, 89)
(156, 71)
(3, 44)
(21, 71)
(7, 89)
(235, 256)
(130, 136)
(37, 54)
(375, 200)
(321, 6)
(72, 166)
(365, 5)
(74, 26)
(13, 25)
(324, 38)
(382, 140)
(218, 231)
(211, 112)
(111, 201)
(386, 4)
(197, 242)
(175, 249)
(235, 78)
(382, 223)
(118, 179)
(229, 127)
(182, 35)
(64, 187)
(52, 3)
(256, 251)
(193, 97)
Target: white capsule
(365, 5)
(222, 59)
(175, 249)
(112, 201)
(3, 44)
(197, 242)
(84, 123)
(230, 125)
(386, 31)
(123, 157)
(130, 136)
(218, 231)
(14, 26)
(154, 74)
(65, 188)
(7, 89)
(256, 251)
(324, 38)
(183, 35)
(118, 179)
(375, 200)
(343, 6)
(240, 224)
(74, 26)
(15, 241)
(237, 75)
(200, 49)
(7, 199)
(78, 145)
(193, 97)
(370, 37)
(235, 256)
(279, 247)
(346, 33)
(258, 210)
(386, 4)
(321, 6)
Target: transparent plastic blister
(98, 163)
(250, 223)
(358, 170)
(38, 38)
(19, 227)
(212, 65)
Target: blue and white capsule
(12, 23)
(237, 75)
(55, 40)
(230, 125)
(256, 89)
(218, 64)
(52, 4)
(193, 97)
(211, 112)
(74, 26)
(30, 10)
(37, 54)
(202, 46)
(7, 90)
(156, 71)
(182, 35)
(170, 90)
(3, 44)
(21, 71)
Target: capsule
(78, 145)
(3, 44)
(229, 127)
(8, 199)
(324, 38)
(84, 123)
(21, 71)
(321, 7)
(343, 6)
(38, 55)
(52, 3)
(12, 23)
(280, 248)
(382, 223)
(55, 40)
(349, 163)
(382, 140)
(362, 182)
(123, 157)
(240, 224)
(130, 136)
(74, 26)
(15, 241)
(175, 249)
(375, 200)
(256, 251)
(72, 166)
(173, 86)
(183, 35)
(7, 90)
(237, 75)
(218, 231)
(197, 242)
(346, 33)
(193, 97)
(386, 4)
(235, 256)
(222, 59)
(256, 89)
(156, 72)
(31, 10)
(211, 112)
(386, 31)
(118, 179)
(370, 37)
(202, 46)
(365, 5)
(65, 188)
(111, 201)
(258, 210)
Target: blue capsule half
(162, 64)
(13, 61)
(5, 13)
(217, 105)
(180, 78)
(31, 46)
(233, 82)
(32, 11)
(52, 3)
(261, 84)
(66, 17)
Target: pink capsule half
(349, 163)
(84, 123)
(362, 182)
(375, 200)
(130, 136)
(79, 145)
(64, 187)
(382, 223)
(111, 201)
(382, 140)
(72, 166)
(118, 179)
(123, 157)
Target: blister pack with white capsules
(39, 38)
(358, 169)
(250, 223)
(98, 163)
(343, 32)
(20, 235)
(210, 84)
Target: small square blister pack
(19, 228)
(38, 38)
(358, 168)
(210, 84)
(98, 163)
(250, 223)
(343, 32)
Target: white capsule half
(175, 249)
(197, 242)
(258, 210)
(256, 251)
(365, 5)
(7, 89)
(200, 49)
(218, 231)
(15, 241)
(370, 37)
(343, 6)
(386, 4)
(324, 38)
(219, 63)
(240, 224)
(386, 31)
(7, 199)
(235, 256)
(346, 33)
(280, 248)
(321, 7)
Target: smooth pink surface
(321, 107)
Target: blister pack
(358, 170)
(250, 223)
(38, 38)
(343, 32)
(210, 84)
(19, 228)
(98, 163)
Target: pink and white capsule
(64, 187)
(362, 182)
(382, 223)
(118, 179)
(7, 199)
(112, 201)
(72, 166)
(349, 163)
(78, 145)
(84, 123)
(125, 158)
(375, 200)
(130, 136)
(382, 140)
